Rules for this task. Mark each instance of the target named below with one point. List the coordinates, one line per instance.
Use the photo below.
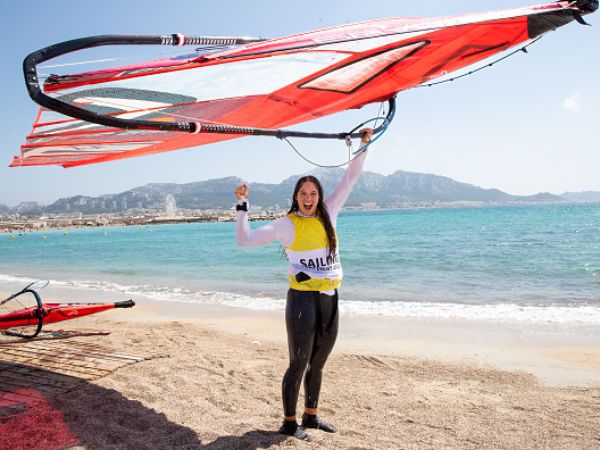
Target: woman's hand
(367, 134)
(241, 192)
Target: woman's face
(307, 198)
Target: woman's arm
(280, 229)
(336, 200)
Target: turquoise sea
(517, 263)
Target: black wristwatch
(242, 207)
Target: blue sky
(526, 125)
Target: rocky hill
(395, 190)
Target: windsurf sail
(23, 314)
(257, 86)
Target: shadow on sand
(103, 418)
(44, 410)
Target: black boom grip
(125, 304)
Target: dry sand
(211, 380)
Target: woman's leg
(300, 320)
(324, 340)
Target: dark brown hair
(322, 213)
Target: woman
(308, 234)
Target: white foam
(400, 309)
(494, 312)
(6, 279)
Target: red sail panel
(22, 318)
(57, 312)
(53, 312)
(272, 84)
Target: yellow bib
(311, 267)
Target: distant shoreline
(33, 225)
(79, 221)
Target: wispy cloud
(572, 102)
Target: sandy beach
(210, 378)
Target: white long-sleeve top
(282, 229)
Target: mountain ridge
(399, 189)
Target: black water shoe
(291, 428)
(313, 421)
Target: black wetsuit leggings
(311, 319)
